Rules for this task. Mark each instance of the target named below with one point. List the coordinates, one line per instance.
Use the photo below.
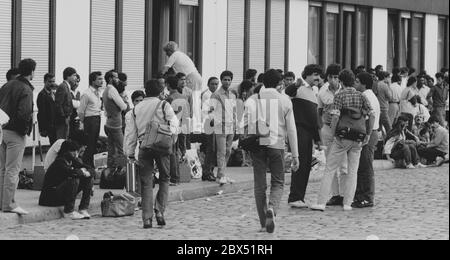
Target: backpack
(352, 125)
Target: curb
(48, 214)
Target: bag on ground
(114, 206)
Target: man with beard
(114, 105)
(306, 118)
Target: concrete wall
(379, 37)
(298, 36)
(431, 47)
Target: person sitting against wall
(401, 146)
(66, 177)
(437, 150)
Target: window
(442, 53)
(277, 36)
(415, 53)
(332, 38)
(103, 35)
(257, 35)
(314, 34)
(392, 59)
(5, 35)
(188, 21)
(235, 44)
(348, 40)
(363, 37)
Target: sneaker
(439, 162)
(298, 205)
(223, 181)
(348, 208)
(20, 211)
(421, 166)
(318, 207)
(85, 213)
(74, 216)
(410, 166)
(336, 201)
(270, 221)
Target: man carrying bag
(154, 126)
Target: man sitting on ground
(437, 150)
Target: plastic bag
(195, 164)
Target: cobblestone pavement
(411, 204)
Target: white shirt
(180, 62)
(375, 104)
(423, 93)
(397, 91)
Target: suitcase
(131, 179)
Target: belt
(394, 102)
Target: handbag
(352, 125)
(158, 137)
(251, 142)
(114, 206)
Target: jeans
(11, 156)
(385, 121)
(327, 140)
(62, 129)
(365, 189)
(394, 112)
(210, 156)
(223, 148)
(148, 159)
(300, 178)
(175, 165)
(92, 130)
(341, 149)
(430, 154)
(66, 193)
(407, 152)
(116, 157)
(274, 160)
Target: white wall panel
(257, 35)
(277, 34)
(235, 46)
(298, 35)
(379, 37)
(5, 36)
(431, 46)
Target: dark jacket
(46, 112)
(16, 99)
(64, 105)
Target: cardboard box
(101, 160)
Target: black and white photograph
(225, 125)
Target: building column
(298, 35)
(430, 48)
(379, 37)
(73, 38)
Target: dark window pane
(392, 38)
(332, 23)
(441, 43)
(348, 36)
(314, 35)
(363, 37)
(415, 59)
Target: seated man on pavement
(65, 179)
(437, 150)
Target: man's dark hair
(152, 88)
(333, 69)
(123, 77)
(12, 72)
(280, 71)
(68, 146)
(411, 81)
(289, 74)
(48, 76)
(93, 76)
(250, 73)
(440, 75)
(179, 75)
(382, 75)
(359, 69)
(444, 70)
(109, 76)
(366, 79)
(26, 67)
(121, 87)
(396, 78)
(311, 69)
(137, 94)
(245, 86)
(79, 137)
(404, 70)
(347, 78)
(211, 79)
(260, 78)
(69, 71)
(172, 82)
(226, 73)
(378, 68)
(272, 78)
(433, 119)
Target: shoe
(421, 166)
(318, 207)
(348, 208)
(270, 221)
(148, 224)
(263, 230)
(74, 216)
(85, 213)
(410, 166)
(439, 162)
(336, 201)
(298, 205)
(20, 211)
(160, 219)
(362, 204)
(223, 181)
(209, 178)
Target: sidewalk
(194, 190)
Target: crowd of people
(347, 112)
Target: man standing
(270, 154)
(365, 190)
(89, 112)
(180, 62)
(64, 104)
(438, 97)
(47, 109)
(349, 103)
(114, 105)
(16, 100)
(306, 118)
(326, 101)
(223, 103)
(384, 94)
